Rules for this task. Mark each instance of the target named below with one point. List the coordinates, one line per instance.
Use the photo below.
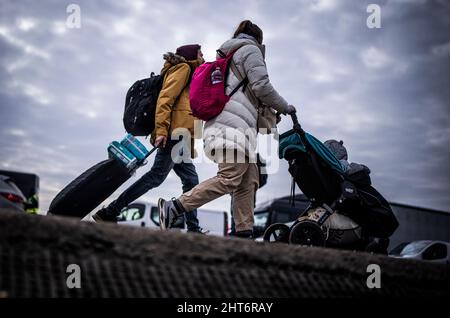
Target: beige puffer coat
(240, 114)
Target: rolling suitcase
(96, 184)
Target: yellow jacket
(173, 109)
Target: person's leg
(244, 200)
(233, 225)
(158, 173)
(226, 181)
(189, 179)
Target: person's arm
(256, 71)
(174, 83)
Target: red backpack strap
(244, 81)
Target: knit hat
(189, 52)
(337, 148)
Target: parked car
(11, 198)
(432, 251)
(28, 184)
(144, 214)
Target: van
(144, 214)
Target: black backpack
(140, 105)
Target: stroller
(345, 211)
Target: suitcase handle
(150, 152)
(143, 162)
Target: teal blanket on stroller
(290, 143)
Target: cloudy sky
(384, 91)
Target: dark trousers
(162, 165)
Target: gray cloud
(383, 91)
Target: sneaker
(168, 213)
(104, 215)
(199, 230)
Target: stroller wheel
(277, 232)
(307, 233)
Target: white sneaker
(167, 213)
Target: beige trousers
(239, 179)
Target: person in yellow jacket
(173, 112)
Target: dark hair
(249, 28)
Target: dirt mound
(118, 261)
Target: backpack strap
(243, 82)
(221, 53)
(238, 74)
(260, 107)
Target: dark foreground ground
(118, 261)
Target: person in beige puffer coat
(240, 115)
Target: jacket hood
(240, 40)
(173, 59)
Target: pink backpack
(207, 91)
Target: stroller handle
(294, 118)
(297, 125)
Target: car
(145, 214)
(11, 198)
(425, 250)
(28, 185)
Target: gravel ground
(119, 261)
